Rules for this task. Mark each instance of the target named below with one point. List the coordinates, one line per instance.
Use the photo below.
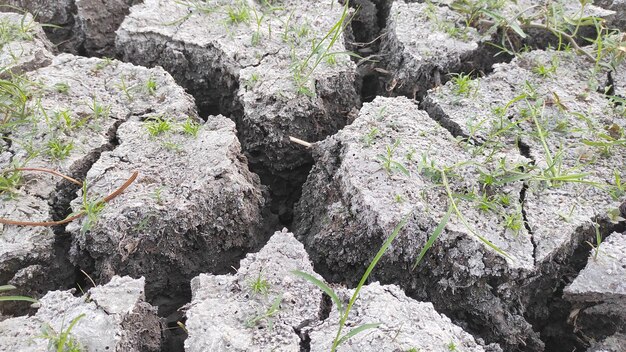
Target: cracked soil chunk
(254, 64)
(227, 313)
(598, 293)
(405, 324)
(351, 203)
(114, 318)
(194, 208)
(27, 47)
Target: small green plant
(260, 285)
(103, 63)
(596, 246)
(151, 85)
(388, 163)
(267, 315)
(303, 70)
(238, 13)
(158, 194)
(463, 84)
(172, 146)
(5, 288)
(369, 138)
(157, 126)
(123, 87)
(98, 111)
(62, 87)
(344, 313)
(9, 181)
(433, 237)
(59, 150)
(92, 209)
(451, 346)
(190, 127)
(63, 341)
(547, 71)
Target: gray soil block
(453, 36)
(112, 317)
(25, 47)
(498, 261)
(404, 325)
(255, 64)
(263, 307)
(619, 6)
(598, 294)
(194, 204)
(195, 207)
(417, 56)
(96, 23)
(614, 343)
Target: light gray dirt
(115, 318)
(227, 314)
(246, 71)
(416, 61)
(28, 51)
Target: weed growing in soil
(62, 341)
(344, 313)
(463, 84)
(388, 163)
(267, 315)
(321, 51)
(191, 127)
(260, 285)
(157, 126)
(9, 181)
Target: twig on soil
(106, 199)
(300, 141)
(72, 180)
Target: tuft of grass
(190, 127)
(157, 126)
(9, 181)
(92, 209)
(238, 13)
(151, 85)
(388, 163)
(260, 285)
(463, 84)
(267, 315)
(63, 341)
(59, 150)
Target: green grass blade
(7, 288)
(434, 236)
(315, 281)
(370, 268)
(17, 298)
(357, 330)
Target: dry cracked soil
(313, 175)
